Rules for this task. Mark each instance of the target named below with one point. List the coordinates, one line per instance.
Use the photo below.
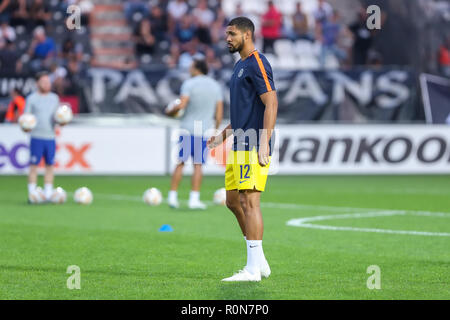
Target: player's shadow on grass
(242, 291)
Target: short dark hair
(17, 91)
(41, 74)
(243, 24)
(201, 65)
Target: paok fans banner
(385, 95)
(359, 95)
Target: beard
(238, 48)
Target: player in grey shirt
(42, 104)
(201, 97)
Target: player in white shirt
(201, 97)
(42, 104)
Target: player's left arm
(28, 108)
(262, 78)
(270, 101)
(58, 104)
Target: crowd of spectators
(175, 31)
(175, 26)
(38, 50)
(166, 32)
(30, 41)
(198, 27)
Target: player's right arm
(183, 104)
(219, 114)
(185, 93)
(219, 106)
(28, 108)
(214, 141)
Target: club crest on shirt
(241, 72)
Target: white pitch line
(295, 206)
(301, 222)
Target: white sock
(173, 195)
(194, 196)
(262, 260)
(48, 190)
(31, 187)
(254, 248)
(263, 257)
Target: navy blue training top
(251, 78)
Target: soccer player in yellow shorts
(243, 171)
(253, 113)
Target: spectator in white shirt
(323, 12)
(7, 34)
(176, 9)
(204, 18)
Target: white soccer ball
(152, 197)
(58, 195)
(220, 196)
(36, 196)
(83, 196)
(63, 114)
(27, 121)
(172, 105)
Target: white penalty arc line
(303, 222)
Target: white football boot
(173, 203)
(196, 204)
(243, 275)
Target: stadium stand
(155, 35)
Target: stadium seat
(308, 62)
(283, 47)
(303, 47)
(287, 62)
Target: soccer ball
(36, 196)
(172, 105)
(58, 195)
(83, 196)
(63, 114)
(27, 121)
(152, 197)
(220, 196)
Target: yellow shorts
(243, 171)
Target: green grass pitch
(122, 255)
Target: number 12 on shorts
(245, 168)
